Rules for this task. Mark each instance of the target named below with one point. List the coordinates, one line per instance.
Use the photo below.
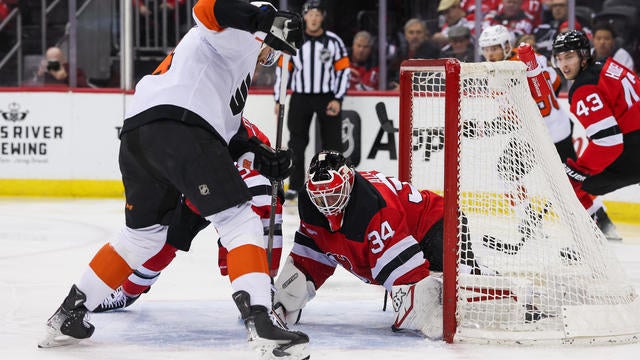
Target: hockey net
(548, 273)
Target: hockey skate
(269, 340)
(606, 225)
(68, 325)
(116, 300)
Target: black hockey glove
(275, 165)
(285, 32)
(574, 174)
(576, 177)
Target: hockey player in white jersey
(187, 223)
(177, 138)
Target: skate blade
(56, 339)
(268, 350)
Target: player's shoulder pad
(588, 76)
(366, 201)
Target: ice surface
(46, 244)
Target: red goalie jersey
(379, 241)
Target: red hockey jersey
(384, 222)
(606, 101)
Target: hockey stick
(385, 123)
(284, 79)
(525, 228)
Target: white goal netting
(548, 272)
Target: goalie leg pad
(418, 307)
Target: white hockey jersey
(205, 80)
(556, 119)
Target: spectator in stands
(54, 70)
(564, 27)
(4, 11)
(364, 71)
(488, 7)
(454, 15)
(4, 40)
(545, 33)
(604, 46)
(460, 45)
(531, 40)
(418, 45)
(513, 18)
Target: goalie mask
(329, 186)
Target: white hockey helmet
(497, 35)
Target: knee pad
(136, 246)
(238, 226)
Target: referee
(319, 80)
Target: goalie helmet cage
(548, 274)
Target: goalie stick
(525, 228)
(385, 122)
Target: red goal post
(472, 132)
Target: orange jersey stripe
(556, 83)
(110, 266)
(280, 63)
(341, 64)
(204, 12)
(246, 259)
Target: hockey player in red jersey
(605, 98)
(177, 138)
(385, 232)
(186, 224)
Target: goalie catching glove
(273, 164)
(283, 28)
(293, 292)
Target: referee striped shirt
(320, 67)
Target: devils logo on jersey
(346, 263)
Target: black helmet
(313, 4)
(572, 40)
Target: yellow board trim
(618, 211)
(623, 211)
(62, 188)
